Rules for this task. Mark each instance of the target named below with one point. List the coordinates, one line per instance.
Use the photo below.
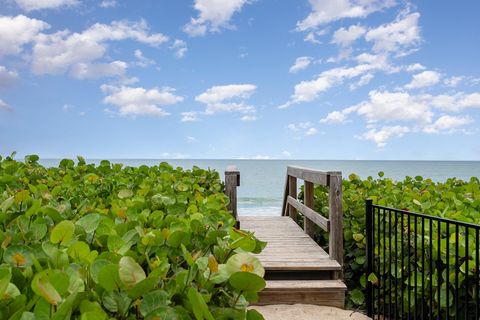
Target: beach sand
(307, 312)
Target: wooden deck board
(288, 248)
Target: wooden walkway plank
(288, 247)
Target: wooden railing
(232, 181)
(292, 207)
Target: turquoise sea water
(263, 181)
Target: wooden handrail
(291, 206)
(232, 181)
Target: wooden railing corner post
(292, 192)
(232, 181)
(336, 217)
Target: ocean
(262, 182)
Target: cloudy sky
(303, 79)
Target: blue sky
(306, 79)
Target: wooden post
(335, 217)
(232, 181)
(292, 192)
(308, 224)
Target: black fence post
(370, 248)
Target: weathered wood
(310, 215)
(306, 174)
(336, 218)
(232, 181)
(318, 292)
(288, 247)
(308, 224)
(285, 194)
(292, 192)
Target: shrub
(107, 241)
(454, 199)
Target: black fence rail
(421, 266)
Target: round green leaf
(247, 282)
(130, 272)
(62, 232)
(125, 193)
(18, 256)
(42, 286)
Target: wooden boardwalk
(297, 269)
(288, 247)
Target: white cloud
(424, 79)
(396, 36)
(261, 157)
(15, 32)
(414, 67)
(335, 117)
(301, 63)
(345, 37)
(191, 139)
(307, 91)
(394, 106)
(248, 118)
(142, 61)
(60, 52)
(7, 77)
(4, 106)
(98, 70)
(174, 155)
(312, 36)
(380, 137)
(305, 128)
(31, 5)
(325, 11)
(189, 116)
(447, 123)
(453, 103)
(180, 48)
(364, 80)
(212, 16)
(311, 132)
(132, 101)
(453, 81)
(219, 98)
(108, 3)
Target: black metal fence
(421, 266)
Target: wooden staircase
(297, 269)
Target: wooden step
(317, 292)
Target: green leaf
(18, 256)
(247, 282)
(108, 277)
(130, 272)
(89, 222)
(153, 300)
(79, 250)
(62, 232)
(96, 266)
(5, 277)
(253, 314)
(125, 193)
(357, 296)
(42, 286)
(199, 307)
(7, 204)
(373, 278)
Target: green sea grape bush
(453, 199)
(81, 241)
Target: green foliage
(110, 242)
(454, 199)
